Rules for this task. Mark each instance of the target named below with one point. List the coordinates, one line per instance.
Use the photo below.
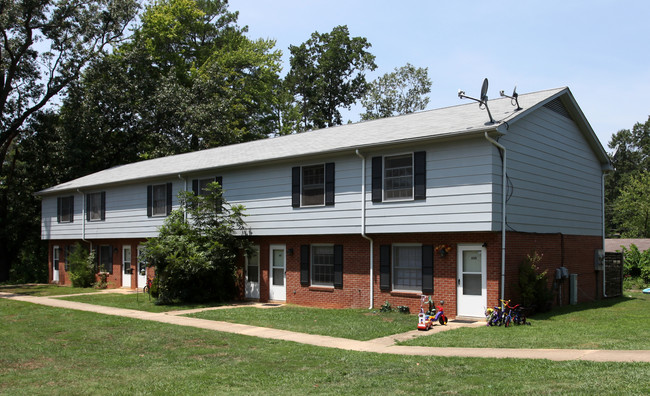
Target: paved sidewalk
(380, 345)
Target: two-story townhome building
(441, 202)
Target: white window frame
(396, 267)
(70, 218)
(385, 169)
(95, 200)
(312, 271)
(313, 186)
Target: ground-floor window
(105, 258)
(407, 267)
(322, 265)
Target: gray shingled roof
(463, 119)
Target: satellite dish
(514, 92)
(484, 89)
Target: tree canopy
(44, 48)
(623, 187)
(327, 73)
(402, 91)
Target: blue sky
(599, 49)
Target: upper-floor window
(65, 209)
(200, 186)
(96, 206)
(399, 177)
(159, 200)
(313, 185)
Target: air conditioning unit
(599, 259)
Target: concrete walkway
(380, 345)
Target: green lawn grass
(139, 301)
(618, 323)
(42, 290)
(356, 324)
(52, 351)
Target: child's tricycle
(427, 319)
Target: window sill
(329, 289)
(410, 294)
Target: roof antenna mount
(514, 98)
(481, 102)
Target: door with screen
(471, 281)
(277, 273)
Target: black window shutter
(304, 265)
(338, 265)
(103, 208)
(427, 269)
(169, 198)
(195, 186)
(58, 209)
(87, 207)
(420, 174)
(376, 179)
(295, 186)
(149, 201)
(219, 179)
(329, 183)
(110, 260)
(384, 267)
(71, 208)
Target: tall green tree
(632, 207)
(402, 91)
(190, 79)
(195, 259)
(631, 157)
(45, 46)
(327, 73)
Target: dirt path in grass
(380, 345)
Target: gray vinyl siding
(555, 176)
(460, 192)
(265, 192)
(126, 215)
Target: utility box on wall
(599, 259)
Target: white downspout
(602, 185)
(363, 226)
(503, 213)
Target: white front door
(252, 273)
(277, 265)
(126, 266)
(142, 269)
(55, 264)
(472, 282)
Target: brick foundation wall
(575, 252)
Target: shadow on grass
(586, 306)
(42, 289)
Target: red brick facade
(574, 252)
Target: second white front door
(142, 269)
(471, 281)
(277, 273)
(126, 266)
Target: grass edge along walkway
(376, 346)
